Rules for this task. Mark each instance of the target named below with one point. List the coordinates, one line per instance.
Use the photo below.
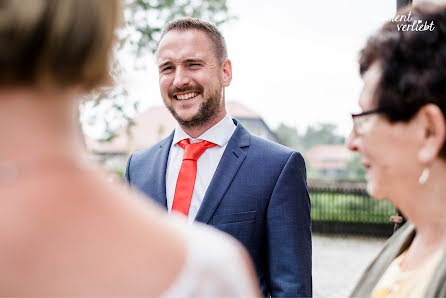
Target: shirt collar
(218, 134)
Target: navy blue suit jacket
(258, 195)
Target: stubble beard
(207, 111)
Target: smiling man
(212, 170)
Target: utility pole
(402, 3)
(398, 219)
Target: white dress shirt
(207, 163)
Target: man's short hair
(185, 24)
(57, 43)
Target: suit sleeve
(127, 170)
(288, 233)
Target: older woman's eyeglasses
(360, 120)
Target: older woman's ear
(434, 132)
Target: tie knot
(194, 151)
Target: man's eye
(194, 65)
(167, 68)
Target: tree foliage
(321, 133)
(289, 136)
(318, 134)
(146, 18)
(354, 169)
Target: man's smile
(186, 96)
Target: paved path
(338, 262)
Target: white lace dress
(214, 267)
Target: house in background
(157, 123)
(329, 160)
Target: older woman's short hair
(413, 63)
(56, 43)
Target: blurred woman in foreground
(401, 138)
(63, 229)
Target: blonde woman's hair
(57, 43)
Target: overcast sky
(293, 61)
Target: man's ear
(434, 132)
(227, 73)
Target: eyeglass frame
(365, 113)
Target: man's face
(191, 77)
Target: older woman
(400, 136)
(63, 229)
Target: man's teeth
(187, 95)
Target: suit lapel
(160, 176)
(232, 159)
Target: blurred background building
(155, 124)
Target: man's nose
(181, 78)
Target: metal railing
(344, 207)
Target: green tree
(318, 134)
(144, 21)
(354, 169)
(289, 136)
(146, 18)
(321, 133)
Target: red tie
(188, 173)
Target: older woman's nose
(351, 141)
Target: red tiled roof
(328, 156)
